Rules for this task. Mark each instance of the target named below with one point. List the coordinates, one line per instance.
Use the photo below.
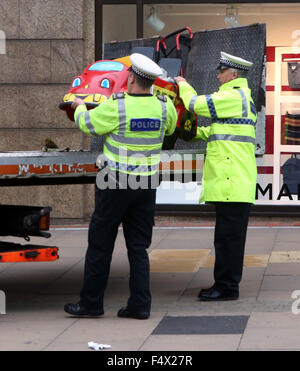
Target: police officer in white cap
(229, 179)
(134, 125)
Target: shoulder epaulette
(162, 97)
(118, 95)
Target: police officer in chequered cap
(229, 176)
(134, 125)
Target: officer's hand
(179, 79)
(77, 102)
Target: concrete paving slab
(260, 241)
(5, 266)
(120, 333)
(276, 297)
(288, 235)
(270, 339)
(32, 277)
(286, 283)
(282, 269)
(249, 289)
(31, 330)
(37, 292)
(68, 283)
(172, 260)
(75, 252)
(190, 234)
(286, 246)
(274, 320)
(72, 238)
(285, 257)
(189, 343)
(180, 243)
(169, 286)
(253, 273)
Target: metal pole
(98, 29)
(139, 19)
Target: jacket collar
(240, 82)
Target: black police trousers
(229, 240)
(135, 210)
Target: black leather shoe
(80, 310)
(125, 313)
(205, 291)
(216, 295)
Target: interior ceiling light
(231, 17)
(153, 20)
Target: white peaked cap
(231, 61)
(144, 66)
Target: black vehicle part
(24, 221)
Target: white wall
(281, 19)
(119, 21)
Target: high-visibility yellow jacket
(230, 167)
(134, 127)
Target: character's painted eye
(105, 84)
(76, 82)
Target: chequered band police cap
(144, 66)
(231, 61)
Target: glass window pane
(119, 22)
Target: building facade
(45, 43)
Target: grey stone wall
(48, 42)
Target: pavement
(266, 316)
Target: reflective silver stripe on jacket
(131, 168)
(126, 152)
(131, 140)
(122, 116)
(87, 121)
(164, 119)
(89, 124)
(244, 103)
(192, 103)
(78, 118)
(229, 137)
